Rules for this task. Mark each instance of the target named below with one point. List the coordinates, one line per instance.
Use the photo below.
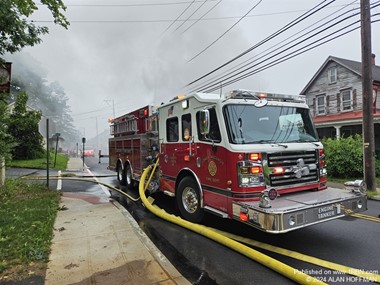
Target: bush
(344, 157)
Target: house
(41, 126)
(334, 96)
(55, 141)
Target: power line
(208, 11)
(222, 35)
(271, 50)
(133, 5)
(299, 19)
(196, 10)
(179, 16)
(256, 71)
(283, 58)
(295, 53)
(202, 18)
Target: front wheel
(189, 200)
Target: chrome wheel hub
(189, 200)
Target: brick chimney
(373, 59)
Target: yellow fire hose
(85, 180)
(259, 257)
(334, 267)
(228, 239)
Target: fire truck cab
(250, 156)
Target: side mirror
(204, 122)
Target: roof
(348, 117)
(354, 66)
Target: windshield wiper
(304, 140)
(271, 142)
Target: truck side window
(172, 129)
(214, 134)
(186, 127)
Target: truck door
(212, 164)
(179, 149)
(169, 141)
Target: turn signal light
(254, 156)
(255, 170)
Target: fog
(115, 57)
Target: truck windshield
(247, 124)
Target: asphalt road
(348, 241)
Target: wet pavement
(96, 240)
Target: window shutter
(314, 108)
(338, 102)
(354, 99)
(327, 104)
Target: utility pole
(367, 86)
(47, 153)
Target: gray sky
(131, 56)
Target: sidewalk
(99, 242)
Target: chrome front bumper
(302, 209)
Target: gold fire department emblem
(212, 168)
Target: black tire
(189, 200)
(128, 177)
(120, 174)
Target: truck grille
(290, 162)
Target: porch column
(337, 129)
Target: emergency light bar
(247, 94)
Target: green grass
(40, 163)
(371, 194)
(27, 214)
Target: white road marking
(59, 182)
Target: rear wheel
(120, 175)
(189, 200)
(128, 177)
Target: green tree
(60, 107)
(23, 127)
(49, 98)
(5, 139)
(16, 31)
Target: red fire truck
(250, 156)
